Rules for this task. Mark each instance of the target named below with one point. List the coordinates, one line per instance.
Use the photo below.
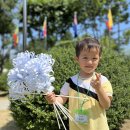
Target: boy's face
(88, 60)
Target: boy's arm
(104, 99)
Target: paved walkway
(6, 119)
(4, 103)
(126, 125)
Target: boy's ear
(76, 58)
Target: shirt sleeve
(108, 88)
(65, 89)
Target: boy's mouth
(89, 67)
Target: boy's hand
(50, 97)
(96, 83)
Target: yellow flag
(110, 20)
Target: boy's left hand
(96, 83)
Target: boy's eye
(95, 58)
(85, 58)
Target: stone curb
(3, 93)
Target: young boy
(93, 89)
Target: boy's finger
(98, 76)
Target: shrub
(36, 114)
(115, 67)
(3, 76)
(3, 82)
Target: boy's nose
(89, 61)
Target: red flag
(15, 37)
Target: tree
(59, 15)
(6, 24)
(6, 16)
(91, 14)
(126, 36)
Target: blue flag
(75, 23)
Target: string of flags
(109, 24)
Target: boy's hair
(87, 43)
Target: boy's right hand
(50, 97)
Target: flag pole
(109, 24)
(24, 24)
(45, 43)
(109, 35)
(45, 33)
(75, 23)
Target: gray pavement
(4, 103)
(6, 120)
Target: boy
(89, 113)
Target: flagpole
(109, 28)
(75, 24)
(45, 33)
(109, 24)
(24, 24)
(45, 43)
(109, 36)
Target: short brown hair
(89, 43)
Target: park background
(59, 40)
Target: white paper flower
(31, 73)
(22, 58)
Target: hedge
(36, 114)
(3, 76)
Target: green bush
(3, 76)
(3, 82)
(36, 114)
(115, 67)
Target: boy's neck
(85, 75)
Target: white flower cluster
(31, 74)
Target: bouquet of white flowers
(31, 74)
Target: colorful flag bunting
(15, 37)
(109, 22)
(75, 23)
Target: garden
(57, 37)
